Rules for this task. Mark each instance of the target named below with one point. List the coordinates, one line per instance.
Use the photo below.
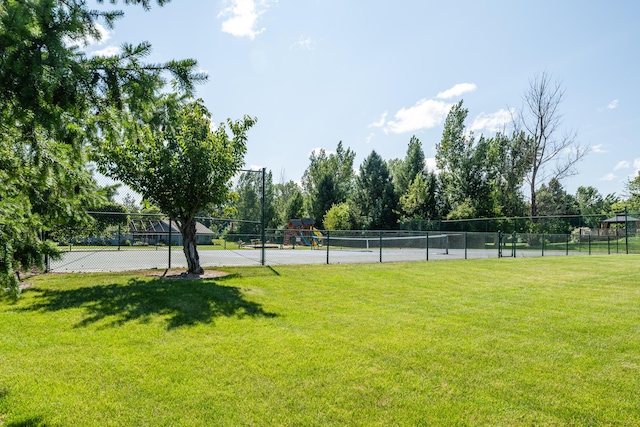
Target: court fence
(140, 242)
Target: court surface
(127, 259)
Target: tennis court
(337, 249)
(112, 260)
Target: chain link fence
(120, 242)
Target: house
(626, 221)
(154, 232)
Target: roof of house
(302, 222)
(621, 218)
(162, 227)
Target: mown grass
(542, 341)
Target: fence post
(263, 235)
(427, 246)
(328, 237)
(514, 240)
(542, 244)
(119, 236)
(465, 245)
(589, 243)
(608, 244)
(380, 243)
(626, 229)
(567, 244)
(170, 226)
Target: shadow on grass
(183, 302)
(29, 422)
(25, 422)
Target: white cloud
(457, 90)
(104, 35)
(427, 113)
(622, 165)
(598, 148)
(107, 51)
(370, 137)
(304, 44)
(241, 18)
(492, 122)
(612, 105)
(608, 177)
(380, 122)
(431, 164)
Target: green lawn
(514, 342)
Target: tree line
(514, 174)
(65, 113)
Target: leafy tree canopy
(177, 162)
(55, 100)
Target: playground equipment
(301, 231)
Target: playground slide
(304, 239)
(317, 236)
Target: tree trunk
(189, 247)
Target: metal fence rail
(155, 243)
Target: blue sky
(372, 74)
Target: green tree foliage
(178, 163)
(55, 100)
(554, 201)
(288, 202)
(421, 199)
(339, 217)
(249, 203)
(464, 172)
(632, 188)
(374, 197)
(592, 206)
(509, 158)
(328, 180)
(412, 165)
(295, 207)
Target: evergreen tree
(295, 207)
(288, 202)
(55, 100)
(325, 169)
(249, 202)
(374, 196)
(413, 164)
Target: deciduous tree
(55, 100)
(465, 172)
(178, 163)
(552, 154)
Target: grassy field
(542, 341)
